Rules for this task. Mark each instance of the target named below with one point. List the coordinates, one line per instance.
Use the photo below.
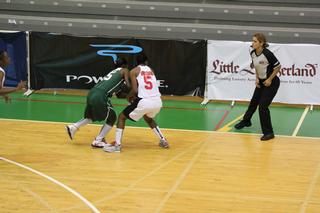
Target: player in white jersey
(4, 62)
(145, 101)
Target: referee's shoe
(267, 137)
(242, 124)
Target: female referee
(267, 84)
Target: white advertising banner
(229, 76)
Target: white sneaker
(115, 148)
(110, 144)
(71, 130)
(98, 143)
(164, 143)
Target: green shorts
(98, 105)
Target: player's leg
(131, 112)
(153, 107)
(116, 145)
(73, 128)
(155, 128)
(99, 141)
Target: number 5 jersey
(147, 83)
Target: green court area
(176, 114)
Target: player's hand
(21, 85)
(131, 98)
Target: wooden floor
(202, 172)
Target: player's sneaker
(71, 130)
(115, 148)
(109, 144)
(164, 143)
(98, 143)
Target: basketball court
(210, 167)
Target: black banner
(64, 61)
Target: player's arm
(134, 84)
(5, 91)
(125, 74)
(1, 88)
(125, 87)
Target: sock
(158, 133)
(83, 122)
(105, 129)
(119, 133)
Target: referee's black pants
(263, 97)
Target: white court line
(180, 130)
(310, 190)
(33, 194)
(180, 179)
(93, 208)
(303, 116)
(39, 198)
(135, 183)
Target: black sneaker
(242, 124)
(267, 137)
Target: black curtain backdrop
(64, 61)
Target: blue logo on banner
(112, 49)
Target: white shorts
(145, 106)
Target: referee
(267, 84)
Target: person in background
(145, 100)
(99, 106)
(267, 83)
(4, 62)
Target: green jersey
(98, 99)
(111, 82)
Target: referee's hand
(267, 82)
(257, 83)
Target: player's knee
(111, 118)
(148, 120)
(122, 117)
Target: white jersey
(4, 77)
(147, 83)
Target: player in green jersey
(99, 106)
